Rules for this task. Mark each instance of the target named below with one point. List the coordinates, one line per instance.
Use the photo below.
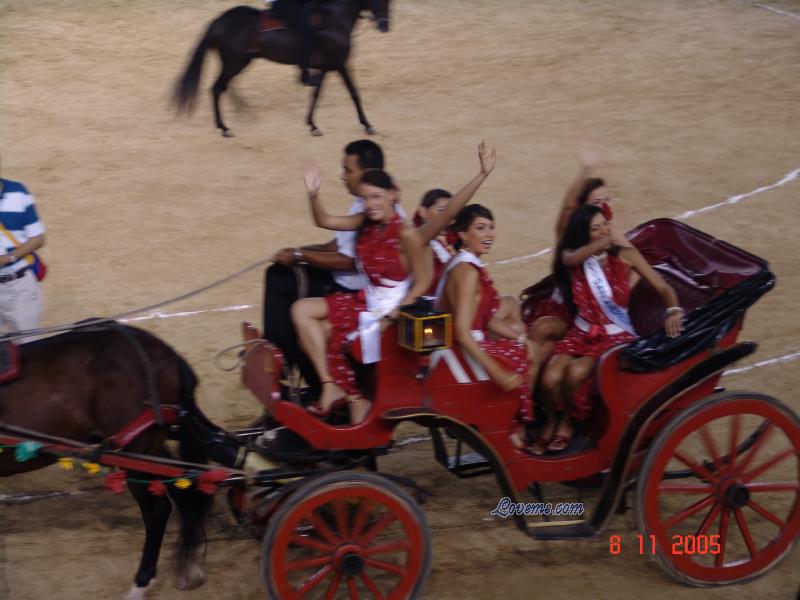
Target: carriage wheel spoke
(699, 470)
(723, 537)
(688, 512)
(711, 447)
(745, 530)
(362, 514)
(333, 586)
(314, 580)
(398, 546)
(766, 514)
(709, 519)
(340, 510)
(308, 563)
(764, 467)
(384, 566)
(736, 423)
(772, 487)
(754, 449)
(351, 586)
(688, 488)
(310, 542)
(376, 593)
(377, 527)
(322, 529)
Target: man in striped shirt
(21, 233)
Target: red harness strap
(9, 362)
(142, 423)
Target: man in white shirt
(316, 270)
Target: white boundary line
(777, 10)
(764, 363)
(189, 313)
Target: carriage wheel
(731, 523)
(346, 535)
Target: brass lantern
(422, 328)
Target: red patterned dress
(596, 341)
(509, 350)
(379, 254)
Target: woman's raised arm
(313, 181)
(488, 156)
(588, 161)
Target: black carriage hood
(703, 327)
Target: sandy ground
(692, 101)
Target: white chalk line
(777, 10)
(764, 363)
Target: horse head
(380, 13)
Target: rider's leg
(310, 316)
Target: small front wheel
(346, 535)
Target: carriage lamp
(422, 328)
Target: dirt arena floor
(692, 102)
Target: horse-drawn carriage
(715, 474)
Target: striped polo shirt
(18, 215)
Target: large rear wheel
(346, 535)
(733, 522)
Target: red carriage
(717, 471)
(715, 474)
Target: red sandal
(317, 410)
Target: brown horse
(87, 385)
(238, 38)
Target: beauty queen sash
(601, 290)
(462, 256)
(440, 251)
(381, 300)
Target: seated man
(316, 270)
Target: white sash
(601, 290)
(440, 251)
(462, 256)
(381, 300)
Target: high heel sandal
(317, 410)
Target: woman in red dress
(551, 318)
(440, 249)
(391, 259)
(593, 276)
(466, 290)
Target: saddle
(10, 364)
(269, 21)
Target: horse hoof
(190, 581)
(316, 132)
(138, 593)
(370, 130)
(227, 133)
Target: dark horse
(237, 36)
(89, 383)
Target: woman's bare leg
(542, 336)
(310, 317)
(577, 373)
(553, 387)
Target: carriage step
(561, 531)
(471, 464)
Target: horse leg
(362, 118)
(310, 117)
(193, 507)
(155, 514)
(230, 69)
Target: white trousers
(20, 303)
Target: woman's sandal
(317, 410)
(357, 402)
(539, 446)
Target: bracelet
(12, 257)
(298, 255)
(673, 310)
(521, 338)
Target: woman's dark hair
(466, 216)
(576, 235)
(370, 155)
(590, 185)
(428, 200)
(378, 178)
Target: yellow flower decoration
(92, 468)
(66, 463)
(182, 483)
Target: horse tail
(185, 92)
